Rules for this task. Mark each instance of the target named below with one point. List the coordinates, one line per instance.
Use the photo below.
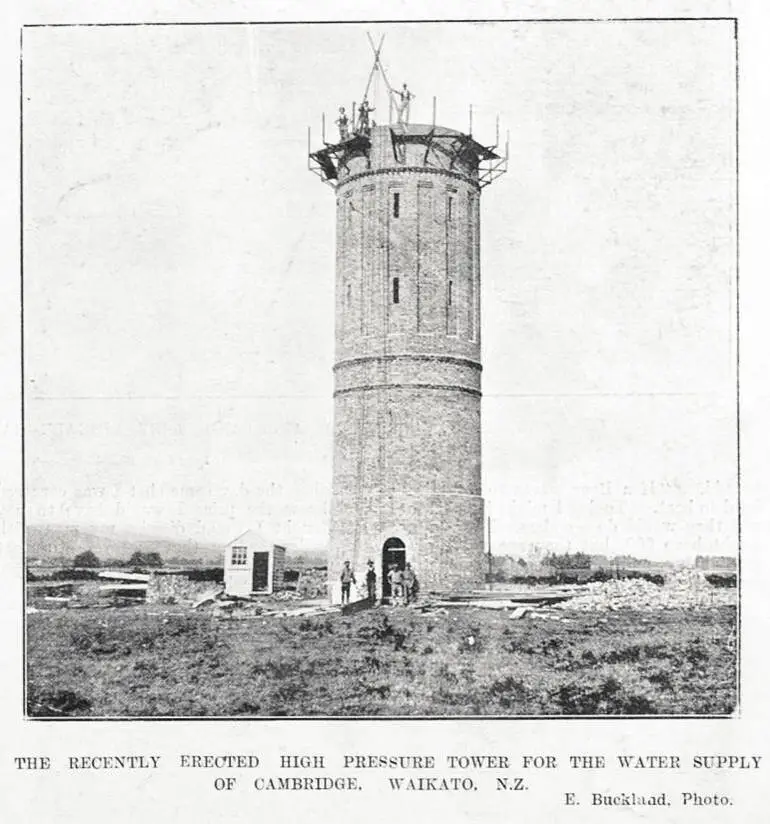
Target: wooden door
(259, 579)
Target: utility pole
(489, 548)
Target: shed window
(238, 556)
(396, 206)
(396, 295)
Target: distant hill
(53, 545)
(58, 545)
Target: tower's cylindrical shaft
(407, 417)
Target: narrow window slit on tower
(449, 294)
(396, 295)
(449, 208)
(396, 206)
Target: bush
(575, 575)
(215, 575)
(509, 691)
(607, 697)
(566, 560)
(86, 559)
(56, 703)
(145, 559)
(722, 579)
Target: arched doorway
(393, 552)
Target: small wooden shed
(253, 565)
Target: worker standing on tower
(403, 99)
(364, 110)
(342, 123)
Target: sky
(179, 269)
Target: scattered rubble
(207, 599)
(312, 583)
(171, 588)
(321, 609)
(682, 589)
(287, 595)
(238, 608)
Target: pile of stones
(312, 583)
(682, 589)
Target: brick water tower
(407, 398)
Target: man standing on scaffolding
(364, 111)
(403, 99)
(342, 122)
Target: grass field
(129, 662)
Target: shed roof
(254, 540)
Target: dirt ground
(142, 661)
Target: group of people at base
(403, 583)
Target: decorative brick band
(397, 170)
(471, 364)
(369, 387)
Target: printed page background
(64, 796)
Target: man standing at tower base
(371, 583)
(347, 577)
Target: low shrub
(215, 575)
(56, 703)
(607, 697)
(722, 579)
(509, 691)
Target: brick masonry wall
(443, 535)
(407, 432)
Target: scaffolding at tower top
(355, 131)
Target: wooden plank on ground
(521, 597)
(118, 575)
